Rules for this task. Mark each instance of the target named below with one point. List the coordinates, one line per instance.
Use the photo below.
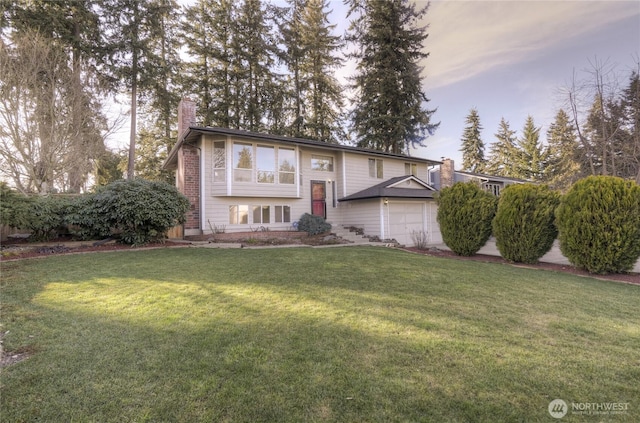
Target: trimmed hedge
(524, 224)
(599, 224)
(465, 213)
(14, 207)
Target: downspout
(344, 174)
(429, 169)
(201, 189)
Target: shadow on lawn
(212, 335)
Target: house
(446, 175)
(244, 180)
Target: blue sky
(512, 59)
(508, 59)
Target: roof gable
(393, 188)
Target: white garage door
(405, 218)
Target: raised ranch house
(245, 181)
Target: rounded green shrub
(599, 224)
(313, 225)
(524, 224)
(136, 211)
(465, 213)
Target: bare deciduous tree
(47, 143)
(604, 117)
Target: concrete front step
(346, 234)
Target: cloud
(467, 38)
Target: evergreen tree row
(248, 64)
(606, 142)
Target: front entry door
(319, 198)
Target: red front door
(319, 198)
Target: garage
(394, 209)
(405, 217)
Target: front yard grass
(302, 335)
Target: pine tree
(293, 56)
(563, 168)
(503, 153)
(256, 48)
(198, 34)
(389, 113)
(323, 93)
(630, 105)
(472, 145)
(163, 98)
(531, 156)
(133, 28)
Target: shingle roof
(390, 189)
(491, 177)
(195, 131)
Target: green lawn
(302, 335)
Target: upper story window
(286, 165)
(375, 168)
(322, 163)
(219, 161)
(266, 161)
(492, 188)
(411, 169)
(242, 162)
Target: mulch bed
(633, 278)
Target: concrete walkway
(553, 256)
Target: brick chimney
(447, 177)
(186, 115)
(188, 171)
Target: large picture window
(242, 162)
(286, 166)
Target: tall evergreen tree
(256, 47)
(213, 71)
(132, 28)
(293, 55)
(531, 156)
(323, 93)
(389, 113)
(163, 98)
(630, 104)
(472, 145)
(503, 153)
(563, 167)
